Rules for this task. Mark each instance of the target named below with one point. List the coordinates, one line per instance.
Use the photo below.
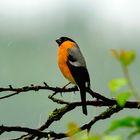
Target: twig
(104, 115)
(130, 84)
(40, 134)
(35, 132)
(34, 88)
(57, 114)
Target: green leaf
(137, 122)
(127, 57)
(88, 137)
(122, 97)
(116, 84)
(112, 138)
(128, 122)
(72, 128)
(94, 137)
(125, 122)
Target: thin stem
(130, 84)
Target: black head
(63, 39)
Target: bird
(73, 66)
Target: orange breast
(62, 59)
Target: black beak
(58, 41)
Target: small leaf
(116, 84)
(94, 137)
(112, 138)
(125, 122)
(128, 122)
(122, 97)
(138, 122)
(125, 57)
(72, 128)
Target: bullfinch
(73, 66)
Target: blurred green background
(28, 54)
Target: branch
(34, 88)
(34, 132)
(38, 133)
(104, 115)
(57, 114)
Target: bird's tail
(83, 99)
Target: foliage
(122, 89)
(127, 122)
(125, 58)
(83, 136)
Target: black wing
(77, 66)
